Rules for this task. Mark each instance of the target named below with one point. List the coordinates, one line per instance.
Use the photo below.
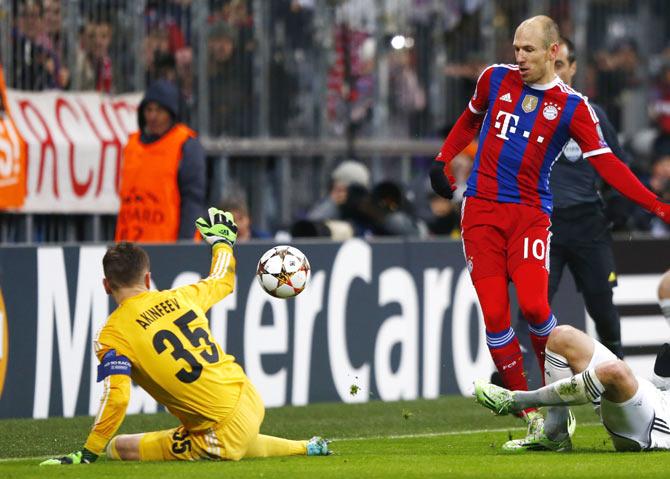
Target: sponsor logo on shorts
(469, 264)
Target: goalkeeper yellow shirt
(166, 338)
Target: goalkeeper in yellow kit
(161, 340)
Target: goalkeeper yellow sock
(270, 446)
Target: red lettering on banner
(46, 143)
(104, 144)
(79, 189)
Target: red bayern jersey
(523, 132)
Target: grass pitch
(449, 437)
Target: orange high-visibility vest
(149, 194)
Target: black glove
(442, 184)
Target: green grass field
(449, 437)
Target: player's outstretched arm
(115, 371)
(459, 137)
(220, 231)
(619, 176)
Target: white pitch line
(445, 433)
(364, 438)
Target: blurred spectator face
(52, 16)
(102, 38)
(441, 206)
(338, 193)
(30, 19)
(87, 37)
(236, 12)
(156, 43)
(628, 56)
(221, 48)
(184, 67)
(243, 222)
(157, 119)
(564, 69)
(660, 176)
(530, 52)
(461, 166)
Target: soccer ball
(283, 271)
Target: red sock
(509, 361)
(531, 289)
(503, 344)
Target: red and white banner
(74, 144)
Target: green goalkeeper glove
(219, 227)
(78, 457)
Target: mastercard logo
(4, 343)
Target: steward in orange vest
(162, 189)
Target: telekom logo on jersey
(509, 123)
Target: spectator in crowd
(163, 180)
(408, 98)
(53, 27)
(38, 66)
(172, 17)
(156, 50)
(346, 174)
(659, 110)
(245, 228)
(397, 215)
(659, 183)
(53, 24)
(445, 217)
(236, 15)
(84, 73)
(93, 62)
(229, 102)
(617, 70)
(351, 81)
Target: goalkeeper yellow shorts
(227, 441)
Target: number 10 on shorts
(538, 249)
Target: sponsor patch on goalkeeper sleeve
(113, 364)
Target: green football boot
(539, 441)
(497, 399)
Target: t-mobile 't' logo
(505, 126)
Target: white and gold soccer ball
(283, 271)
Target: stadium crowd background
(282, 92)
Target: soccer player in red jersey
(526, 115)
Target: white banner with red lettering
(74, 143)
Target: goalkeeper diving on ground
(161, 340)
